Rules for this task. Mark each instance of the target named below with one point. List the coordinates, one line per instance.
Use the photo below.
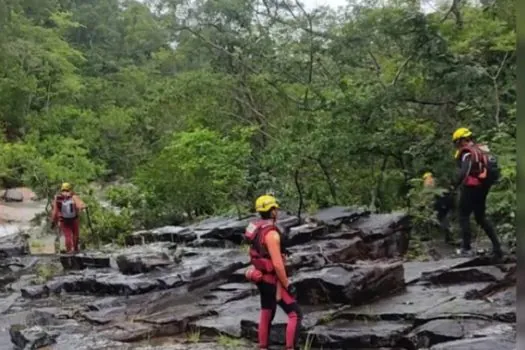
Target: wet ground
(183, 288)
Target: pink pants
(70, 229)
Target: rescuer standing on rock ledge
(269, 274)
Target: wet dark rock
(211, 243)
(13, 195)
(175, 320)
(358, 334)
(311, 317)
(487, 260)
(223, 228)
(508, 282)
(393, 246)
(35, 292)
(6, 302)
(485, 343)
(405, 305)
(379, 226)
(304, 233)
(335, 216)
(345, 234)
(135, 263)
(103, 316)
(387, 235)
(415, 269)
(177, 234)
(173, 234)
(479, 309)
(228, 292)
(228, 318)
(286, 222)
(205, 266)
(31, 337)
(348, 284)
(321, 253)
(44, 317)
(13, 245)
(505, 297)
(445, 330)
(128, 332)
(464, 275)
(82, 261)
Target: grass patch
(229, 342)
(46, 272)
(194, 335)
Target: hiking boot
(465, 253)
(497, 253)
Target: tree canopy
(203, 105)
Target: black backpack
(492, 166)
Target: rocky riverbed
(183, 288)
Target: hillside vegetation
(193, 108)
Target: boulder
(13, 195)
(13, 245)
(31, 338)
(387, 235)
(348, 284)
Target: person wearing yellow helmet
(477, 171)
(443, 204)
(269, 274)
(66, 208)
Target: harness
(255, 234)
(478, 172)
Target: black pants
(443, 204)
(473, 200)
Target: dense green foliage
(203, 105)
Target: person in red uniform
(66, 209)
(269, 274)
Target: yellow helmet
(427, 175)
(266, 203)
(66, 186)
(461, 133)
